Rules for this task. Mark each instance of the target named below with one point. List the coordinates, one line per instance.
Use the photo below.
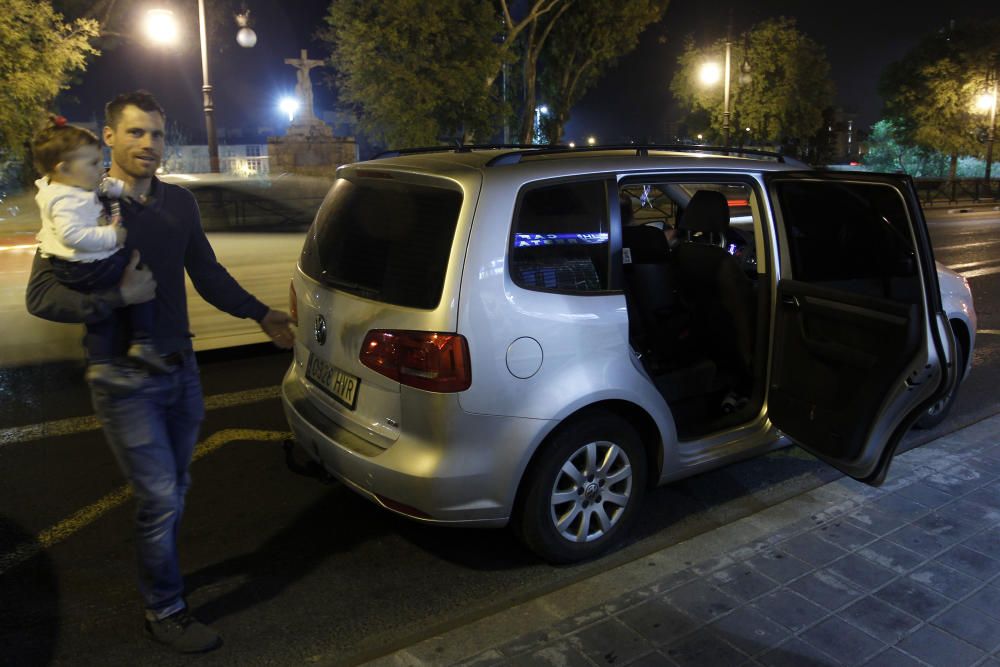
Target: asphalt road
(294, 570)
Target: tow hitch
(308, 469)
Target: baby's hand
(120, 232)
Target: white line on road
(991, 332)
(74, 425)
(969, 265)
(982, 272)
(978, 244)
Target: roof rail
(461, 148)
(641, 150)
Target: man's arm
(49, 299)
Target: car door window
(850, 236)
(560, 239)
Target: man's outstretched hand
(277, 325)
(137, 284)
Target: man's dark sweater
(167, 232)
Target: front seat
(716, 290)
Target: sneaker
(183, 633)
(145, 353)
(114, 378)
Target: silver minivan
(535, 336)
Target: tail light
(293, 303)
(422, 359)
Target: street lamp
(540, 111)
(591, 140)
(987, 103)
(710, 74)
(161, 27)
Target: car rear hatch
(375, 266)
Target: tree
(788, 89)
(929, 94)
(587, 41)
(415, 72)
(39, 52)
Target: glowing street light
(987, 103)
(709, 74)
(161, 27)
(289, 105)
(572, 144)
(591, 140)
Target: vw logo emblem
(319, 330)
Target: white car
(535, 336)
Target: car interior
(697, 299)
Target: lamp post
(710, 75)
(988, 102)
(162, 28)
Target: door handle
(791, 300)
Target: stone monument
(309, 146)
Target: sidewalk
(906, 574)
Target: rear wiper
(360, 290)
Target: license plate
(342, 386)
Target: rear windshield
(384, 240)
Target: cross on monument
(303, 88)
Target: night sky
(633, 100)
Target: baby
(85, 246)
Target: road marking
(969, 265)
(74, 425)
(91, 513)
(982, 272)
(978, 244)
(989, 332)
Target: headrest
(646, 244)
(708, 211)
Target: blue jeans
(152, 433)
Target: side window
(560, 238)
(850, 236)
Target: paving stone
(844, 534)
(926, 494)
(987, 497)
(711, 565)
(704, 648)
(938, 648)
(954, 484)
(893, 658)
(861, 571)
(986, 600)
(796, 653)
(970, 562)
(658, 621)
(985, 463)
(789, 609)
(874, 520)
(912, 598)
(987, 542)
(945, 580)
(811, 549)
(842, 640)
(576, 621)
(654, 659)
(557, 654)
(826, 589)
(880, 619)
(779, 565)
(904, 509)
(742, 581)
(485, 659)
(701, 600)
(611, 642)
(931, 534)
(892, 556)
(529, 642)
(672, 581)
(971, 625)
(749, 631)
(970, 510)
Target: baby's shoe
(114, 378)
(145, 353)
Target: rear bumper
(448, 467)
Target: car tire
(581, 493)
(938, 412)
